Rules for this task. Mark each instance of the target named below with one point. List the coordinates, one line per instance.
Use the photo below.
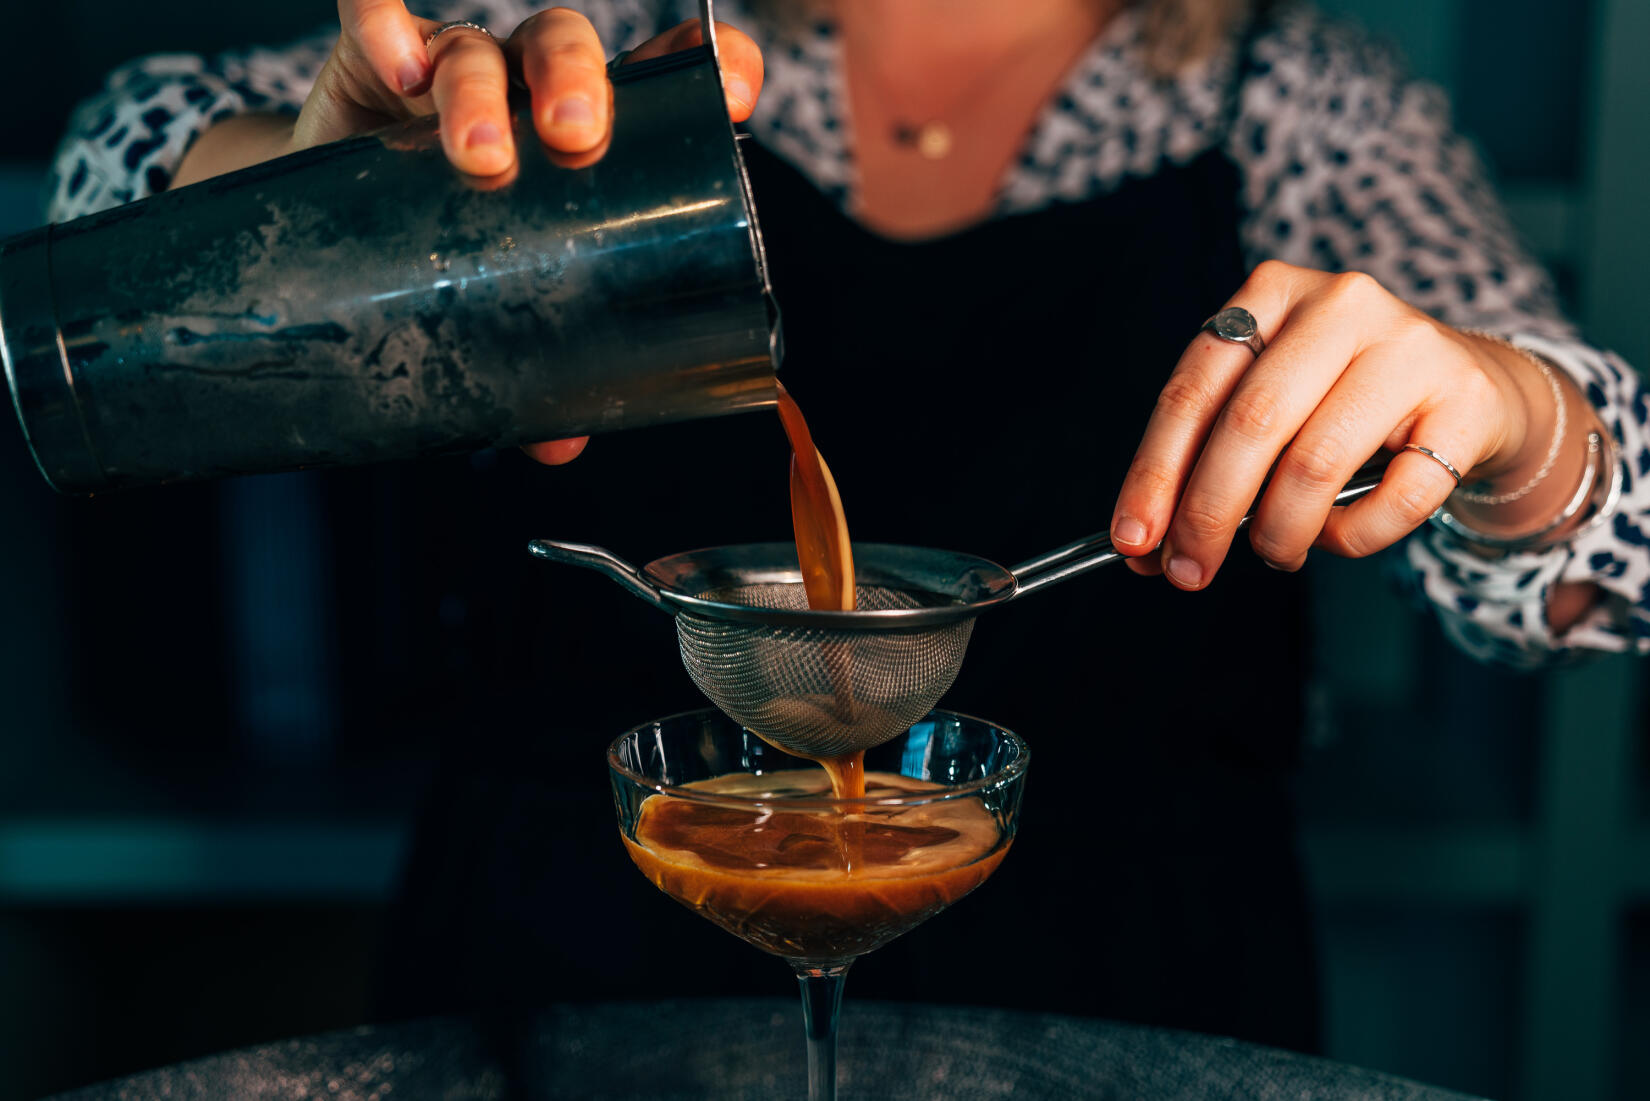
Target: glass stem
(821, 1002)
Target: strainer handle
(602, 561)
(1096, 550)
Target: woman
(994, 230)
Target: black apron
(982, 392)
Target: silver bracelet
(1603, 492)
(1560, 423)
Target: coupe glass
(751, 838)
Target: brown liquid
(822, 547)
(815, 885)
(827, 560)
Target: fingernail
(573, 111)
(1128, 530)
(1185, 571)
(483, 133)
(740, 91)
(411, 76)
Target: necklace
(933, 137)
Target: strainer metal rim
(999, 584)
(1001, 778)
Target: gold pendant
(934, 140)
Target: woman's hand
(1347, 370)
(381, 71)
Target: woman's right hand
(381, 71)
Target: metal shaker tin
(364, 301)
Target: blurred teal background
(1478, 843)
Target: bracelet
(1560, 423)
(1604, 493)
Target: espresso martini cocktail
(754, 840)
(825, 883)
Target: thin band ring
(455, 25)
(1437, 458)
(1235, 325)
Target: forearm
(235, 143)
(130, 139)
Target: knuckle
(1202, 523)
(1315, 463)
(1410, 503)
(1354, 541)
(1268, 272)
(568, 17)
(1149, 476)
(1415, 330)
(572, 59)
(1184, 396)
(1477, 390)
(1356, 289)
(1273, 548)
(1253, 413)
(375, 25)
(472, 85)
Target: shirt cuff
(1496, 608)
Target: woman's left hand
(1347, 370)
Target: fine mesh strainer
(822, 683)
(817, 683)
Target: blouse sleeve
(1348, 166)
(127, 141)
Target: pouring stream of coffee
(827, 561)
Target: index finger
(389, 36)
(1203, 381)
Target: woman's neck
(943, 95)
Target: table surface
(735, 1049)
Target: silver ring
(454, 25)
(1235, 325)
(1437, 458)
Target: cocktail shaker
(363, 301)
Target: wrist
(235, 143)
(1590, 504)
(1562, 472)
(1534, 477)
(1531, 413)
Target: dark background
(217, 711)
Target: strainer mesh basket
(830, 691)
